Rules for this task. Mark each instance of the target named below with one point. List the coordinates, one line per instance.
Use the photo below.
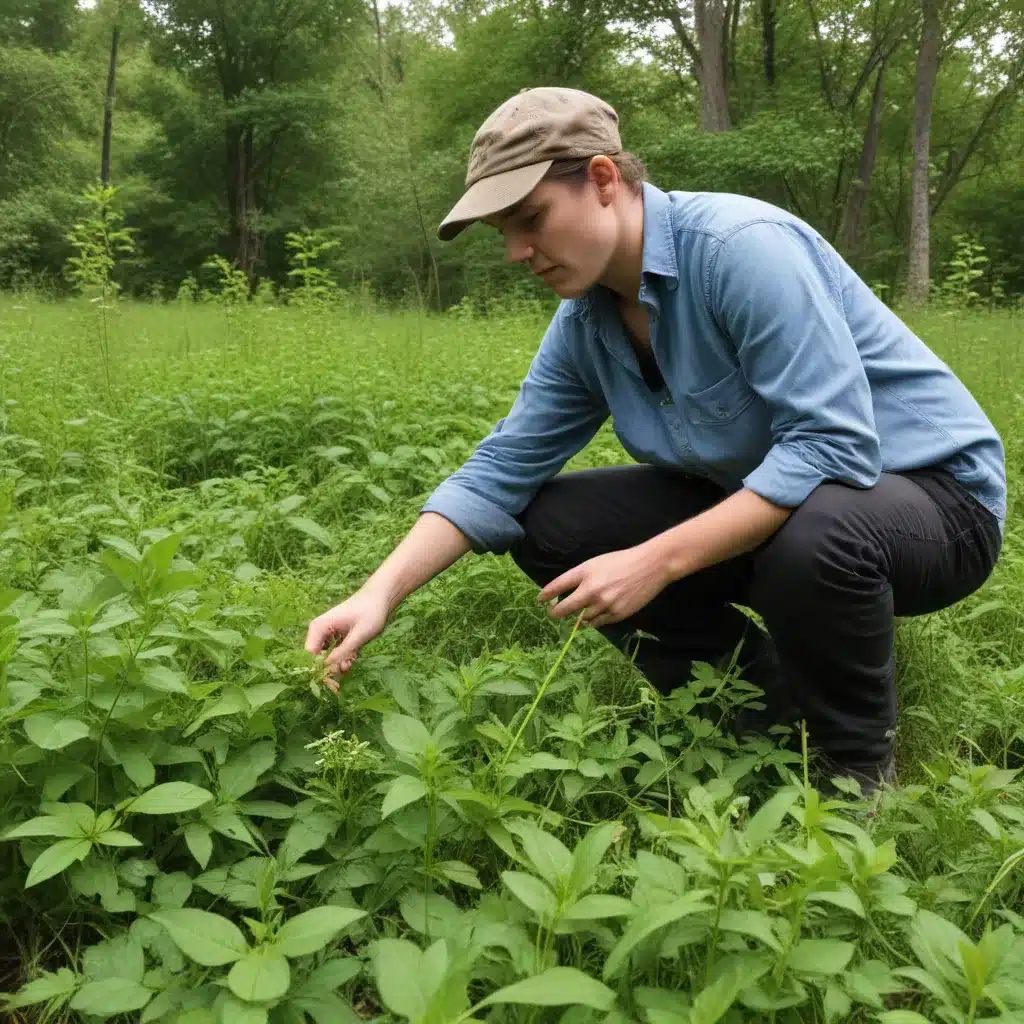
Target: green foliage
(495, 819)
(239, 131)
(964, 272)
(98, 241)
(313, 283)
(231, 284)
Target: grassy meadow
(495, 819)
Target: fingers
(582, 597)
(603, 619)
(560, 584)
(343, 656)
(321, 629)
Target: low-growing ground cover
(495, 819)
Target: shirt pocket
(720, 403)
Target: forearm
(733, 527)
(431, 546)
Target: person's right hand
(354, 622)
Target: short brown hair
(574, 172)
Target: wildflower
(339, 753)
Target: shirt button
(721, 409)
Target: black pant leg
(830, 583)
(579, 515)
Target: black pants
(828, 585)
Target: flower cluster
(340, 753)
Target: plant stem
(106, 720)
(540, 695)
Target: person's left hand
(609, 588)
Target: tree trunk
(768, 39)
(108, 108)
(241, 195)
(857, 198)
(919, 271)
(711, 25)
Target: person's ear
(604, 175)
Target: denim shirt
(780, 370)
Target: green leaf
(987, 822)
(557, 986)
(714, 1001)
(200, 842)
(170, 892)
(231, 702)
(460, 872)
(54, 859)
(597, 906)
(330, 976)
(115, 837)
(430, 913)
(50, 986)
(406, 735)
(902, 1017)
(160, 553)
(844, 897)
(403, 791)
(646, 924)
(111, 996)
(233, 1011)
(169, 798)
(163, 678)
(311, 529)
(404, 981)
(821, 956)
(752, 923)
(241, 774)
(48, 825)
(209, 939)
(136, 765)
(224, 819)
(263, 693)
(548, 855)
(52, 731)
(837, 1004)
(531, 891)
(311, 931)
(260, 976)
(589, 853)
(765, 823)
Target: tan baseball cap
(514, 148)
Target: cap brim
(491, 195)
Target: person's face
(564, 234)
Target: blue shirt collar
(659, 252)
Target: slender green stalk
(540, 695)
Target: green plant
(964, 270)
(495, 819)
(100, 239)
(312, 282)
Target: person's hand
(609, 588)
(354, 622)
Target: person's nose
(517, 251)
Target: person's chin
(567, 287)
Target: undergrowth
(496, 819)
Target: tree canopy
(894, 126)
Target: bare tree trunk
(857, 197)
(733, 20)
(919, 270)
(108, 108)
(768, 39)
(240, 194)
(711, 25)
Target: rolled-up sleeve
(553, 417)
(772, 290)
